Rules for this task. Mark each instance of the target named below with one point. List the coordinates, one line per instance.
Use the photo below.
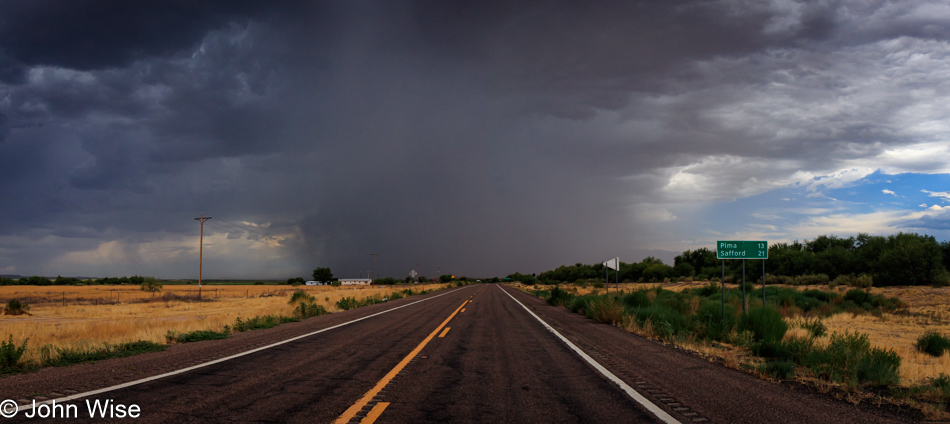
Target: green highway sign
(742, 249)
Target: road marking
(374, 413)
(29, 406)
(661, 414)
(358, 406)
(463, 310)
(446, 329)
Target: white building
(355, 281)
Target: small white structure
(355, 281)
(315, 283)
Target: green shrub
(815, 327)
(765, 323)
(637, 298)
(839, 361)
(307, 310)
(347, 303)
(933, 343)
(301, 295)
(608, 311)
(559, 297)
(666, 321)
(197, 336)
(857, 296)
(710, 323)
(15, 307)
(261, 322)
(10, 353)
(780, 369)
(879, 366)
(395, 296)
(821, 296)
(72, 356)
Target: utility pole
(373, 277)
(201, 245)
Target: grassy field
(928, 309)
(85, 317)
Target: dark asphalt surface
(496, 363)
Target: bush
(637, 298)
(15, 307)
(307, 310)
(347, 303)
(261, 322)
(73, 356)
(10, 354)
(780, 369)
(559, 297)
(932, 343)
(196, 336)
(711, 323)
(301, 295)
(850, 358)
(879, 366)
(605, 310)
(765, 323)
(816, 327)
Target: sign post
(741, 249)
(613, 264)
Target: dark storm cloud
(481, 137)
(88, 35)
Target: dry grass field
(86, 317)
(928, 309)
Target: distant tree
(150, 284)
(945, 248)
(656, 272)
(387, 281)
(423, 279)
(66, 281)
(910, 259)
(296, 281)
(36, 281)
(408, 280)
(523, 278)
(683, 269)
(697, 259)
(445, 278)
(322, 274)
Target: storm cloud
(476, 138)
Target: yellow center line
(358, 406)
(463, 310)
(374, 413)
(446, 330)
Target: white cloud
(886, 191)
(945, 195)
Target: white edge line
(661, 414)
(30, 406)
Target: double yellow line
(378, 409)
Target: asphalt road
(472, 354)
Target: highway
(475, 354)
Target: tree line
(73, 281)
(898, 259)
